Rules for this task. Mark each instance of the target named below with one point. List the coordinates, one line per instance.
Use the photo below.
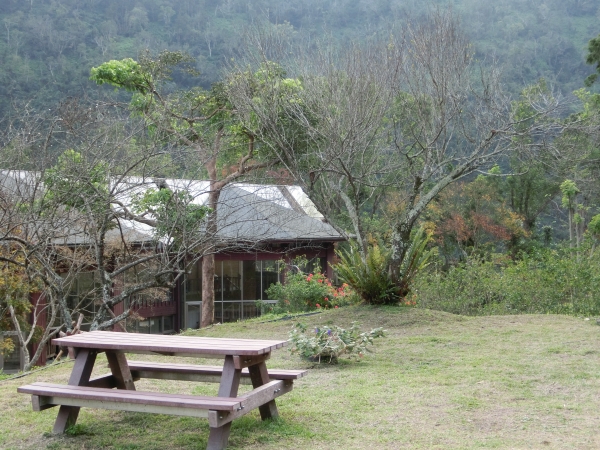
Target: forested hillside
(47, 47)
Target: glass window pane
(250, 310)
(218, 282)
(251, 272)
(143, 326)
(232, 311)
(270, 275)
(193, 283)
(12, 361)
(194, 313)
(168, 323)
(218, 312)
(150, 326)
(232, 280)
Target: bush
(327, 344)
(560, 281)
(309, 292)
(370, 278)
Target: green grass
(437, 381)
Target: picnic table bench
(244, 361)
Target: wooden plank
(63, 394)
(253, 399)
(80, 376)
(107, 381)
(40, 403)
(134, 407)
(107, 336)
(230, 382)
(120, 370)
(191, 372)
(260, 377)
(171, 345)
(241, 362)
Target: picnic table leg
(230, 382)
(259, 376)
(120, 370)
(80, 376)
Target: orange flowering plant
(302, 292)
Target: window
(193, 283)
(84, 294)
(238, 285)
(270, 275)
(153, 325)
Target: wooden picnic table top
(168, 344)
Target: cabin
(259, 229)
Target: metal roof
(245, 212)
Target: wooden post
(230, 382)
(1, 353)
(80, 376)
(260, 376)
(120, 370)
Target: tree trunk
(208, 290)
(400, 244)
(208, 261)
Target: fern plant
(370, 277)
(416, 259)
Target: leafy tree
(474, 219)
(203, 121)
(593, 57)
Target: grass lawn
(437, 381)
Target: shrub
(327, 344)
(562, 281)
(370, 277)
(309, 292)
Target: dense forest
(48, 46)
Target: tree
(203, 121)
(412, 114)
(327, 124)
(474, 218)
(593, 57)
(100, 212)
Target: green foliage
(569, 190)
(328, 343)
(47, 47)
(593, 57)
(558, 281)
(416, 259)
(303, 292)
(369, 278)
(593, 227)
(126, 74)
(78, 430)
(174, 212)
(75, 183)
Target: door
(193, 315)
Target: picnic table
(244, 361)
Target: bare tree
(100, 210)
(413, 113)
